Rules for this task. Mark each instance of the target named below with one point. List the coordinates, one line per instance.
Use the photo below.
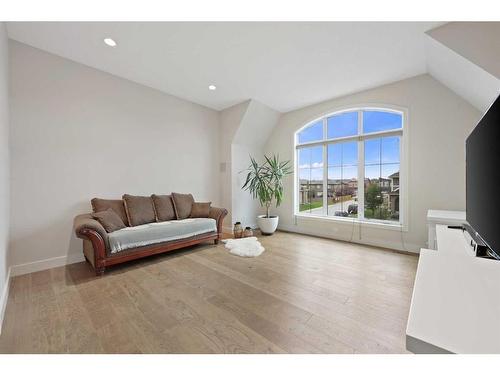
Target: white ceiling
(283, 65)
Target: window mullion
(361, 169)
(389, 133)
(325, 169)
(402, 176)
(297, 182)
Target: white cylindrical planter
(267, 225)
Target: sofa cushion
(149, 234)
(139, 209)
(116, 205)
(200, 209)
(164, 207)
(182, 205)
(109, 219)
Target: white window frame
(403, 132)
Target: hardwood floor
(302, 295)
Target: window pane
(311, 157)
(334, 189)
(372, 172)
(342, 179)
(382, 178)
(377, 121)
(312, 133)
(304, 157)
(372, 151)
(316, 191)
(342, 191)
(343, 154)
(343, 125)
(335, 155)
(350, 191)
(390, 191)
(349, 172)
(311, 180)
(373, 199)
(350, 153)
(317, 175)
(304, 177)
(390, 150)
(334, 175)
(393, 203)
(317, 157)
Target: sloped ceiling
(285, 65)
(479, 42)
(465, 57)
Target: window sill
(365, 223)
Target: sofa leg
(99, 271)
(216, 241)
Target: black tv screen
(483, 178)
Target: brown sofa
(134, 227)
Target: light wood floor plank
(315, 306)
(302, 295)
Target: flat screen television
(483, 181)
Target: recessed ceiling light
(110, 42)
(212, 87)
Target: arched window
(348, 165)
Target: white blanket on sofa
(244, 247)
(149, 234)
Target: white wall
(78, 133)
(245, 129)
(4, 165)
(250, 138)
(438, 123)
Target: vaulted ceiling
(464, 57)
(283, 65)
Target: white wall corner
(245, 129)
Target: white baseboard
(407, 247)
(40, 265)
(227, 230)
(3, 298)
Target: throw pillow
(139, 209)
(200, 209)
(116, 205)
(164, 207)
(182, 205)
(109, 219)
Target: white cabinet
(435, 217)
(456, 299)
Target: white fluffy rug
(244, 247)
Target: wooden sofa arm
(87, 228)
(218, 214)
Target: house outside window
(336, 152)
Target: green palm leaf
(265, 181)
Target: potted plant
(265, 183)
